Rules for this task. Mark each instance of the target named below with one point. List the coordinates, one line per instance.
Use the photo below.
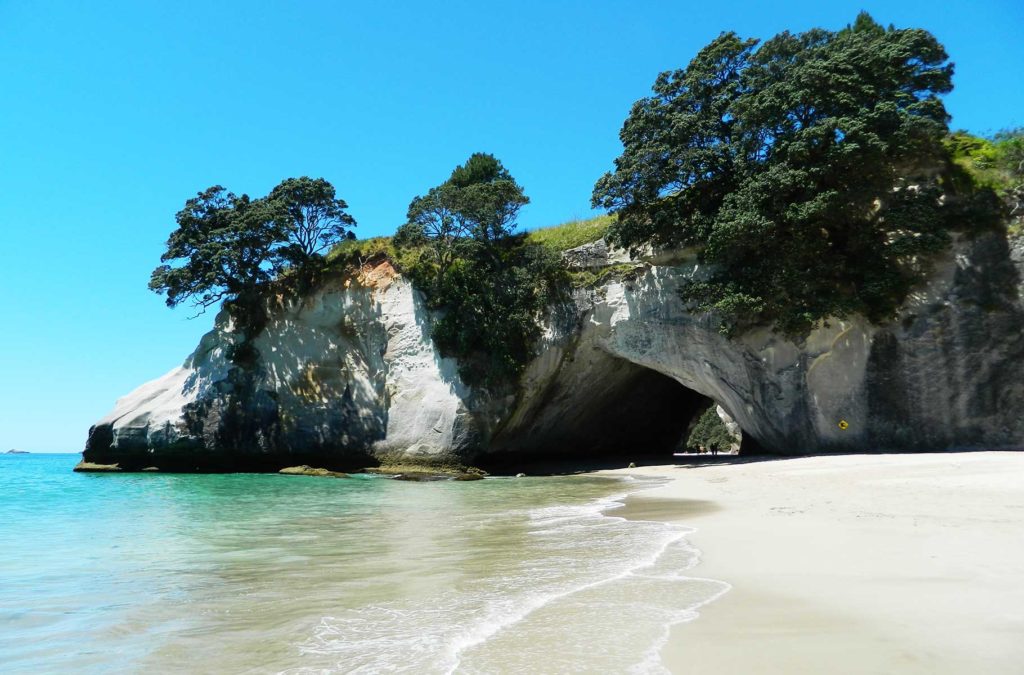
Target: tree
(228, 248)
(488, 199)
(224, 248)
(710, 432)
(311, 215)
(799, 168)
(479, 203)
(487, 284)
(680, 157)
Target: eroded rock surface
(306, 470)
(348, 375)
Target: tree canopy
(801, 167)
(224, 247)
(477, 205)
(311, 215)
(488, 283)
(228, 247)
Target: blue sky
(114, 113)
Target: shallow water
(267, 573)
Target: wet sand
(850, 564)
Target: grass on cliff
(571, 234)
(352, 253)
(996, 162)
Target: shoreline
(848, 563)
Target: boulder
(87, 467)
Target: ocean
(253, 573)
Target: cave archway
(603, 411)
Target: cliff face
(340, 376)
(947, 373)
(348, 375)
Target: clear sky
(114, 113)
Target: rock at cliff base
(85, 466)
(469, 476)
(306, 470)
(420, 476)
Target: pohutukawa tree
(229, 247)
(313, 217)
(489, 284)
(478, 204)
(802, 169)
(225, 247)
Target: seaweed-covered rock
(306, 470)
(91, 467)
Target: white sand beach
(851, 564)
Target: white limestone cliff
(349, 373)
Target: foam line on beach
(678, 534)
(573, 553)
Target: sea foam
(567, 587)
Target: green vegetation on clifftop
(814, 174)
(807, 169)
(488, 285)
(996, 162)
(571, 234)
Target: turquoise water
(267, 573)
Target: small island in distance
(12, 451)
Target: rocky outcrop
(306, 470)
(348, 375)
(90, 467)
(339, 377)
(732, 427)
(596, 254)
(947, 373)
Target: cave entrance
(605, 411)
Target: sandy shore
(851, 564)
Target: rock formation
(348, 376)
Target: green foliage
(490, 300)
(571, 234)
(313, 217)
(1010, 153)
(229, 248)
(353, 253)
(487, 285)
(996, 163)
(599, 276)
(710, 432)
(794, 166)
(478, 203)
